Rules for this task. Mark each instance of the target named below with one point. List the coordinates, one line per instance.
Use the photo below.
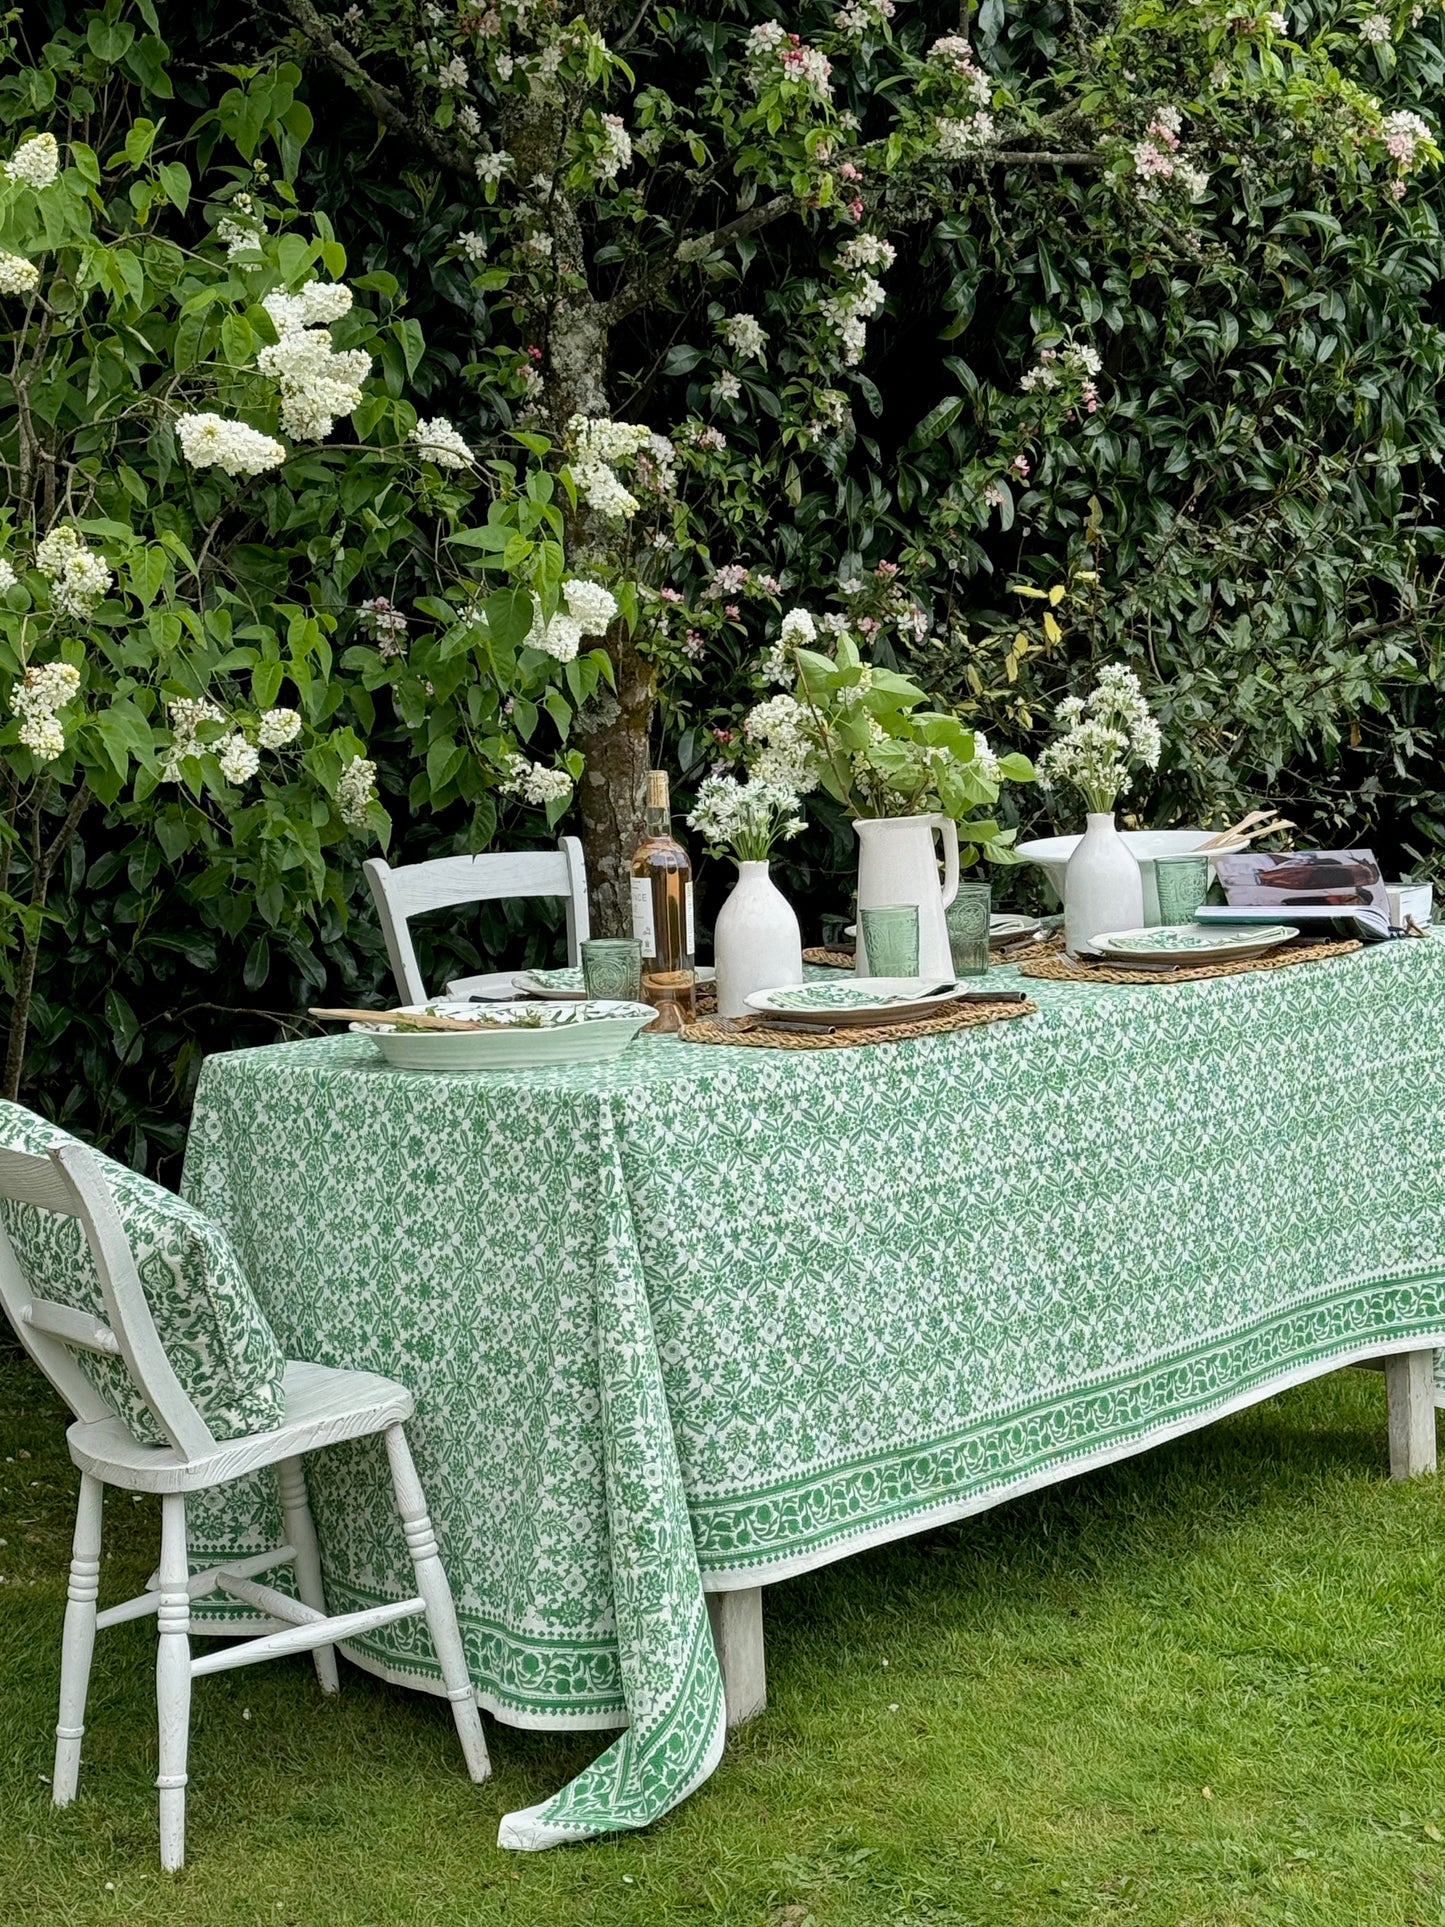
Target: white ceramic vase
(756, 943)
(1103, 890)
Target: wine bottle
(662, 913)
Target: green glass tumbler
(968, 920)
(1182, 883)
(612, 969)
(890, 938)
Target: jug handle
(949, 829)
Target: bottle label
(691, 939)
(642, 925)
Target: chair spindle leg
(173, 1679)
(301, 1533)
(441, 1617)
(78, 1639)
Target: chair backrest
(68, 1181)
(451, 880)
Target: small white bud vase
(757, 944)
(1103, 890)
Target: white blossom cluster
(848, 313)
(589, 609)
(186, 714)
(1157, 160)
(957, 139)
(241, 227)
(1104, 737)
(78, 579)
(473, 246)
(866, 251)
(782, 743)
(35, 162)
(40, 692)
(535, 782)
(278, 727)
(17, 275)
(614, 152)
(385, 624)
(600, 445)
(454, 76)
(8, 577)
(727, 387)
(1375, 29)
(746, 818)
(1402, 133)
(317, 381)
(439, 442)
(745, 335)
(797, 631)
(858, 17)
(238, 758)
(1060, 367)
(954, 52)
(209, 441)
(356, 791)
(798, 61)
(491, 167)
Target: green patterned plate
(866, 1000)
(1186, 943)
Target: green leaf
(140, 140)
(108, 40)
(175, 178)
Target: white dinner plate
(1005, 930)
(566, 981)
(509, 1037)
(1169, 945)
(861, 1000)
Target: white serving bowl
(1053, 853)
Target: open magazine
(1327, 892)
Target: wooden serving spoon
(403, 1019)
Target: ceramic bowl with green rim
(509, 1037)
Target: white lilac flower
(559, 636)
(783, 749)
(278, 727)
(209, 441)
(590, 606)
(356, 791)
(535, 783)
(36, 162)
(313, 305)
(744, 334)
(43, 689)
(316, 381)
(985, 763)
(186, 714)
(599, 444)
(241, 227)
(8, 577)
(473, 246)
(43, 737)
(239, 759)
(17, 275)
(78, 579)
(615, 150)
(1375, 29)
(439, 442)
(798, 629)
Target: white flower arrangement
(746, 820)
(210, 441)
(1105, 736)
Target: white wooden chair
(323, 1407)
(452, 880)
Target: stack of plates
(566, 981)
(857, 1000)
(1170, 945)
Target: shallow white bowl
(518, 1037)
(1052, 853)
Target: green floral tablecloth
(707, 1316)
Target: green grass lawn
(1204, 1687)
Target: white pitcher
(897, 864)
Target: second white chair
(449, 881)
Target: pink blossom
(1091, 396)
(855, 208)
(770, 585)
(1020, 465)
(732, 611)
(669, 595)
(848, 172)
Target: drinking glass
(968, 917)
(1183, 884)
(890, 937)
(612, 968)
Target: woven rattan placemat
(834, 959)
(762, 1036)
(845, 959)
(1070, 970)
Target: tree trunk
(43, 862)
(615, 741)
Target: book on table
(1326, 893)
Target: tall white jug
(897, 864)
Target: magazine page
(1307, 887)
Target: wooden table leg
(1410, 1394)
(737, 1630)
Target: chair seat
(492, 983)
(324, 1406)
